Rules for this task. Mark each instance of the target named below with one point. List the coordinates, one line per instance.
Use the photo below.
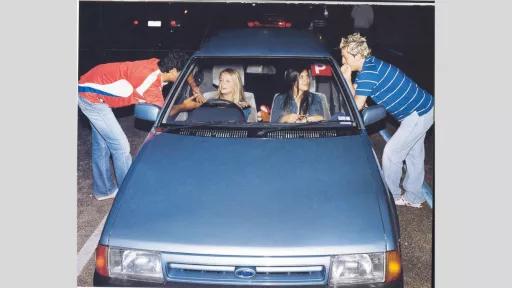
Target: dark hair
(291, 76)
(175, 59)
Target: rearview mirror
(145, 111)
(373, 114)
(261, 69)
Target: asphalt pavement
(415, 224)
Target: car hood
(250, 196)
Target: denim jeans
(108, 139)
(407, 144)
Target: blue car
(269, 180)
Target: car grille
(224, 273)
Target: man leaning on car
(121, 84)
(403, 99)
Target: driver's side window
(181, 95)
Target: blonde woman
(231, 89)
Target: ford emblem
(245, 272)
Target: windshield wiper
(202, 124)
(343, 123)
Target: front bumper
(100, 281)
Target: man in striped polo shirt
(121, 84)
(403, 99)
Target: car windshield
(267, 92)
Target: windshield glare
(269, 92)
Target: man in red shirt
(121, 84)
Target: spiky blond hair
(355, 44)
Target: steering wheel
(217, 110)
(222, 103)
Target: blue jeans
(108, 139)
(407, 144)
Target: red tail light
(101, 260)
(284, 24)
(135, 22)
(252, 24)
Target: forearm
(346, 72)
(360, 102)
(351, 86)
(176, 109)
(192, 82)
(187, 105)
(288, 118)
(315, 118)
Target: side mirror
(148, 112)
(373, 114)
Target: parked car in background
(214, 199)
(268, 20)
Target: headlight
(357, 269)
(135, 264)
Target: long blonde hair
(239, 89)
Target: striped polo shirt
(389, 86)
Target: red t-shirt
(122, 84)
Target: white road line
(89, 247)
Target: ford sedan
(275, 186)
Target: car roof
(258, 42)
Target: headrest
(218, 68)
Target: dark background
(402, 35)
